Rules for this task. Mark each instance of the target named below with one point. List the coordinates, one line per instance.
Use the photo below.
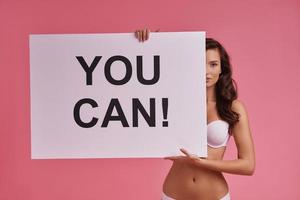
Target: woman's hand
(143, 34)
(189, 158)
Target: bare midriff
(189, 182)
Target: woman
(196, 178)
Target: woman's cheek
(215, 78)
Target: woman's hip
(166, 197)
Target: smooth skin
(195, 178)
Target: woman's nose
(208, 71)
(208, 76)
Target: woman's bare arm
(245, 162)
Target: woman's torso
(185, 181)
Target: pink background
(262, 38)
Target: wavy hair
(226, 87)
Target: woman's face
(213, 67)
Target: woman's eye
(214, 64)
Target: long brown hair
(226, 87)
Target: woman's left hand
(189, 158)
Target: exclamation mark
(165, 111)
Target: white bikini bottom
(165, 197)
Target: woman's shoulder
(238, 106)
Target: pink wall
(262, 37)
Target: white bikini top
(217, 133)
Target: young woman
(196, 178)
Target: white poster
(111, 96)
